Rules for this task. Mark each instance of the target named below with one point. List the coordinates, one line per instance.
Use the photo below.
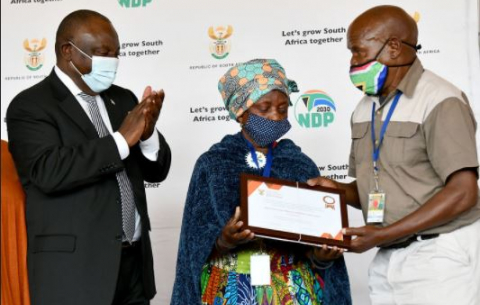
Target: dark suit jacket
(73, 205)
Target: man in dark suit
(83, 148)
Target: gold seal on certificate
(291, 211)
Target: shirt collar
(67, 81)
(409, 82)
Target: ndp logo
(315, 109)
(134, 3)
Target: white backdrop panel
(166, 44)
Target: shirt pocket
(361, 142)
(403, 143)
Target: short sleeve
(450, 137)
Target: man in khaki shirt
(416, 171)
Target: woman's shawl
(212, 196)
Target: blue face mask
(104, 70)
(264, 131)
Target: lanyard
(268, 164)
(376, 148)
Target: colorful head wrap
(243, 85)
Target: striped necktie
(126, 191)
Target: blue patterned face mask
(264, 131)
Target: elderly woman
(213, 264)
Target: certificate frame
(245, 179)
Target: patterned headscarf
(243, 85)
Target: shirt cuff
(122, 145)
(318, 264)
(150, 147)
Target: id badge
(260, 269)
(376, 207)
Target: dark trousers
(129, 289)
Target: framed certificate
(292, 211)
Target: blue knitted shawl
(213, 194)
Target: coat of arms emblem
(34, 57)
(220, 45)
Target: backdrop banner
(185, 46)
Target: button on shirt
(149, 147)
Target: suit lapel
(114, 112)
(73, 109)
(69, 104)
